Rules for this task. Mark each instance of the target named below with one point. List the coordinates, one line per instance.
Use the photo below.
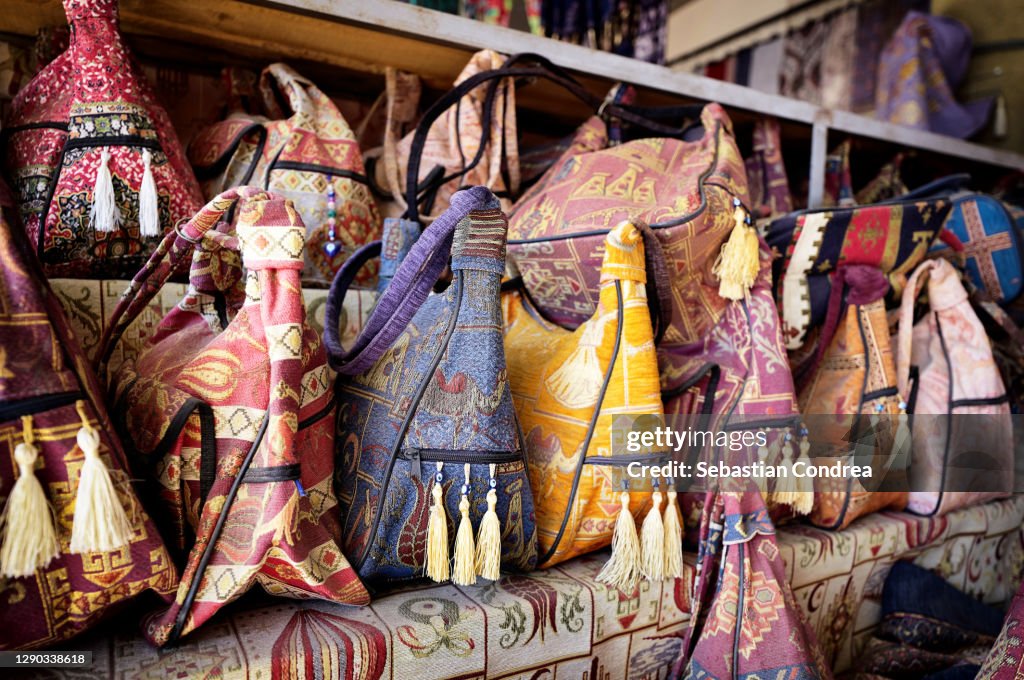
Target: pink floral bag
(961, 429)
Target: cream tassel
(149, 208)
(673, 537)
(30, 538)
(464, 572)
(105, 215)
(763, 455)
(488, 541)
(623, 567)
(577, 382)
(437, 566)
(100, 523)
(738, 262)
(652, 541)
(796, 492)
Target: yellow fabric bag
(567, 387)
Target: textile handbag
(993, 254)
(944, 364)
(568, 387)
(426, 428)
(474, 143)
(686, 189)
(309, 156)
(98, 170)
(894, 237)
(852, 378)
(76, 543)
(231, 405)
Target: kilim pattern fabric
(309, 155)
(237, 417)
(43, 374)
(683, 189)
(569, 386)
(93, 101)
(894, 237)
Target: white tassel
(796, 492)
(488, 540)
(464, 571)
(149, 208)
(673, 537)
(622, 570)
(105, 214)
(437, 566)
(652, 541)
(100, 523)
(30, 537)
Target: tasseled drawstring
(149, 208)
(652, 541)
(488, 541)
(739, 261)
(30, 537)
(901, 450)
(105, 215)
(437, 566)
(622, 570)
(673, 536)
(100, 523)
(464, 571)
(796, 492)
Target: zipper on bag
(417, 456)
(23, 407)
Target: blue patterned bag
(428, 442)
(992, 251)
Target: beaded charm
(332, 246)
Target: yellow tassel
(738, 262)
(652, 542)
(673, 537)
(488, 541)
(464, 571)
(100, 523)
(30, 537)
(622, 570)
(437, 566)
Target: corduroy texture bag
(60, 573)
(852, 373)
(426, 431)
(309, 156)
(956, 375)
(894, 237)
(99, 172)
(231, 403)
(686, 190)
(568, 387)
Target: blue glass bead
(331, 248)
(494, 483)
(439, 477)
(465, 489)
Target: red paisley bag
(99, 173)
(231, 404)
(56, 579)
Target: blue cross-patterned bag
(430, 463)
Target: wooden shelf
(366, 36)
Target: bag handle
(413, 281)
(659, 284)
(555, 74)
(904, 337)
(176, 245)
(860, 284)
